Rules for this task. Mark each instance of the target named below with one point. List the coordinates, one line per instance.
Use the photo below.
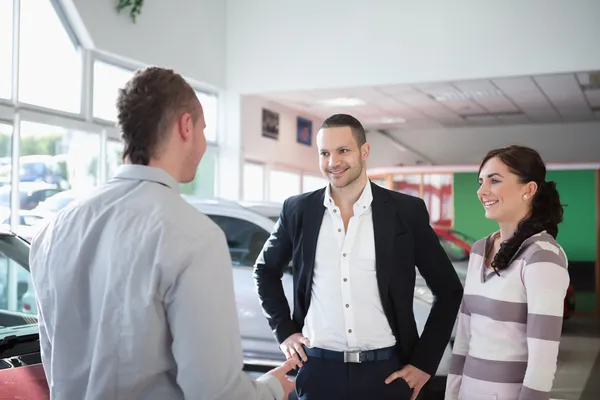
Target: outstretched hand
(414, 377)
(292, 347)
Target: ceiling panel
(395, 90)
(593, 97)
(566, 95)
(500, 101)
(513, 119)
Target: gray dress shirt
(136, 300)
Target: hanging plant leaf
(136, 7)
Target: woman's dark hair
(546, 209)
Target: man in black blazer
(354, 246)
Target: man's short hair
(147, 105)
(340, 120)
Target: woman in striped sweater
(510, 321)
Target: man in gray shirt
(134, 286)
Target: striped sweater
(509, 326)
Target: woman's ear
(530, 190)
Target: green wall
(577, 233)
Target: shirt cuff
(273, 384)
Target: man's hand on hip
(292, 347)
(414, 377)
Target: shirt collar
(363, 201)
(145, 173)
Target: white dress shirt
(136, 300)
(345, 311)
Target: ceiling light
(457, 96)
(474, 117)
(385, 121)
(342, 102)
(391, 120)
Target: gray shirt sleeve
(202, 315)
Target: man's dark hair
(340, 120)
(147, 105)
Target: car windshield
(17, 301)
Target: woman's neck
(507, 230)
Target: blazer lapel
(384, 227)
(311, 225)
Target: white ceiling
(492, 102)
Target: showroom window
(55, 159)
(210, 107)
(6, 41)
(114, 157)
(245, 239)
(313, 182)
(203, 184)
(108, 79)
(254, 182)
(283, 184)
(50, 62)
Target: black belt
(351, 356)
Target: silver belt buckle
(352, 357)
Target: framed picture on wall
(270, 124)
(304, 131)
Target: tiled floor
(578, 372)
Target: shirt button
(349, 330)
(344, 254)
(345, 279)
(339, 230)
(364, 206)
(334, 210)
(347, 305)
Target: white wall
(187, 35)
(285, 153)
(280, 45)
(560, 143)
(385, 153)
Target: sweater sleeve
(459, 353)
(546, 279)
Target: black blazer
(403, 239)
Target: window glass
(203, 184)
(245, 239)
(108, 79)
(50, 65)
(5, 168)
(6, 41)
(283, 184)
(114, 157)
(54, 160)
(312, 182)
(211, 114)
(16, 289)
(254, 182)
